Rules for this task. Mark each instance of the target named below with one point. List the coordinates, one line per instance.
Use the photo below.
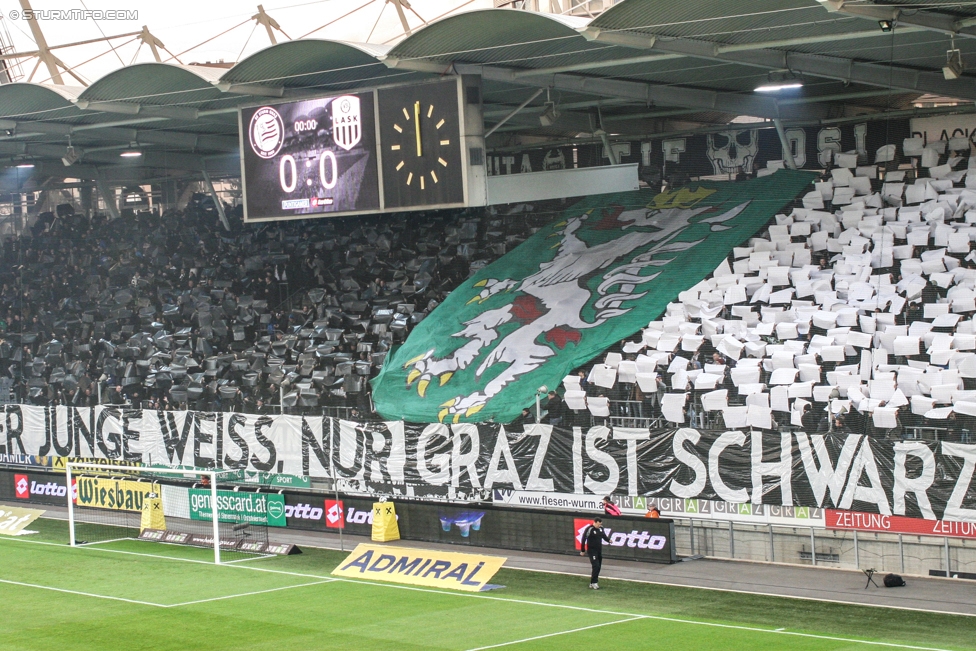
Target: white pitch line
(541, 637)
(756, 593)
(83, 594)
(676, 620)
(101, 542)
(247, 594)
(518, 601)
(245, 560)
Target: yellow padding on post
(385, 526)
(152, 513)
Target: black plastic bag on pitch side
(894, 581)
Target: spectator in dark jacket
(556, 408)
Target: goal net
(174, 506)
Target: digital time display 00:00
(310, 157)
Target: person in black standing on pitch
(592, 546)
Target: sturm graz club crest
(267, 132)
(347, 128)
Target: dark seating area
(171, 311)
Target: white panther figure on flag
(550, 302)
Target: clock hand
(416, 120)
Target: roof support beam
(43, 51)
(108, 196)
(787, 152)
(513, 112)
(649, 93)
(921, 19)
(847, 70)
(180, 139)
(564, 107)
(592, 65)
(419, 65)
(33, 53)
(270, 24)
(250, 89)
(213, 193)
(807, 40)
(942, 110)
(129, 108)
(149, 158)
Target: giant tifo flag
(598, 274)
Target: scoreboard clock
(309, 158)
(420, 136)
(386, 150)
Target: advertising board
(875, 522)
(239, 506)
(434, 569)
(33, 487)
(113, 494)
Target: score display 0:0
(289, 160)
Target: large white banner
(470, 462)
(279, 444)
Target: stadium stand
(851, 312)
(168, 311)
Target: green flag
(597, 275)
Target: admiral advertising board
(13, 519)
(434, 569)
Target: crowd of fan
(171, 311)
(853, 311)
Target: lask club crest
(578, 286)
(347, 129)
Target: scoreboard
(384, 150)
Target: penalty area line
(82, 594)
(542, 637)
(101, 542)
(245, 560)
(247, 594)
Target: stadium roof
(641, 68)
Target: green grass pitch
(134, 595)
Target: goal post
(200, 507)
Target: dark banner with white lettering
(738, 149)
(467, 462)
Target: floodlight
(772, 88)
(777, 80)
(70, 157)
(549, 114)
(953, 67)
